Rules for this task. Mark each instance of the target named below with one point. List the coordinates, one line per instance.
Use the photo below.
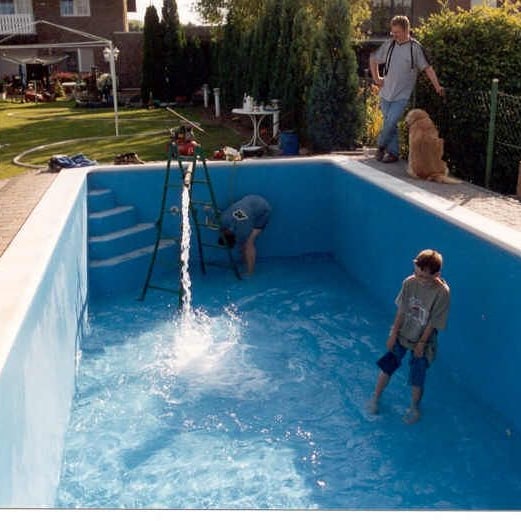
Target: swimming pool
(369, 224)
(258, 400)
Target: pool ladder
(190, 175)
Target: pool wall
(371, 223)
(42, 312)
(374, 225)
(385, 222)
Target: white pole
(114, 87)
(275, 123)
(275, 105)
(216, 92)
(80, 62)
(205, 95)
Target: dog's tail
(446, 180)
(452, 180)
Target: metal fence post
(491, 131)
(518, 190)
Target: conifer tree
(174, 42)
(264, 49)
(195, 64)
(298, 73)
(152, 68)
(333, 106)
(228, 58)
(279, 63)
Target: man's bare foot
(412, 415)
(373, 407)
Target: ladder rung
(224, 265)
(176, 239)
(161, 288)
(212, 227)
(201, 203)
(214, 245)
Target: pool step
(119, 242)
(100, 199)
(112, 220)
(124, 273)
(120, 246)
(131, 255)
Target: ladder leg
(217, 214)
(159, 227)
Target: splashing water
(186, 232)
(207, 353)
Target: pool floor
(258, 401)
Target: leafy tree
(333, 106)
(135, 26)
(244, 12)
(152, 68)
(247, 12)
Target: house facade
(37, 33)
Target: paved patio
(20, 194)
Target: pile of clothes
(57, 162)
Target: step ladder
(190, 175)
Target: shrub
(333, 106)
(468, 49)
(373, 117)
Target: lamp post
(110, 55)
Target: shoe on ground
(379, 154)
(390, 158)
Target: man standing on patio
(402, 57)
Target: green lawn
(48, 127)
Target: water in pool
(258, 401)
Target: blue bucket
(289, 143)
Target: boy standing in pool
(423, 305)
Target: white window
(477, 3)
(75, 7)
(6, 6)
(392, 3)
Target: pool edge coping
(22, 268)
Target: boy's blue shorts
(389, 362)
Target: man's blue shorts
(389, 362)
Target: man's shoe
(390, 158)
(379, 154)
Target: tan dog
(426, 149)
